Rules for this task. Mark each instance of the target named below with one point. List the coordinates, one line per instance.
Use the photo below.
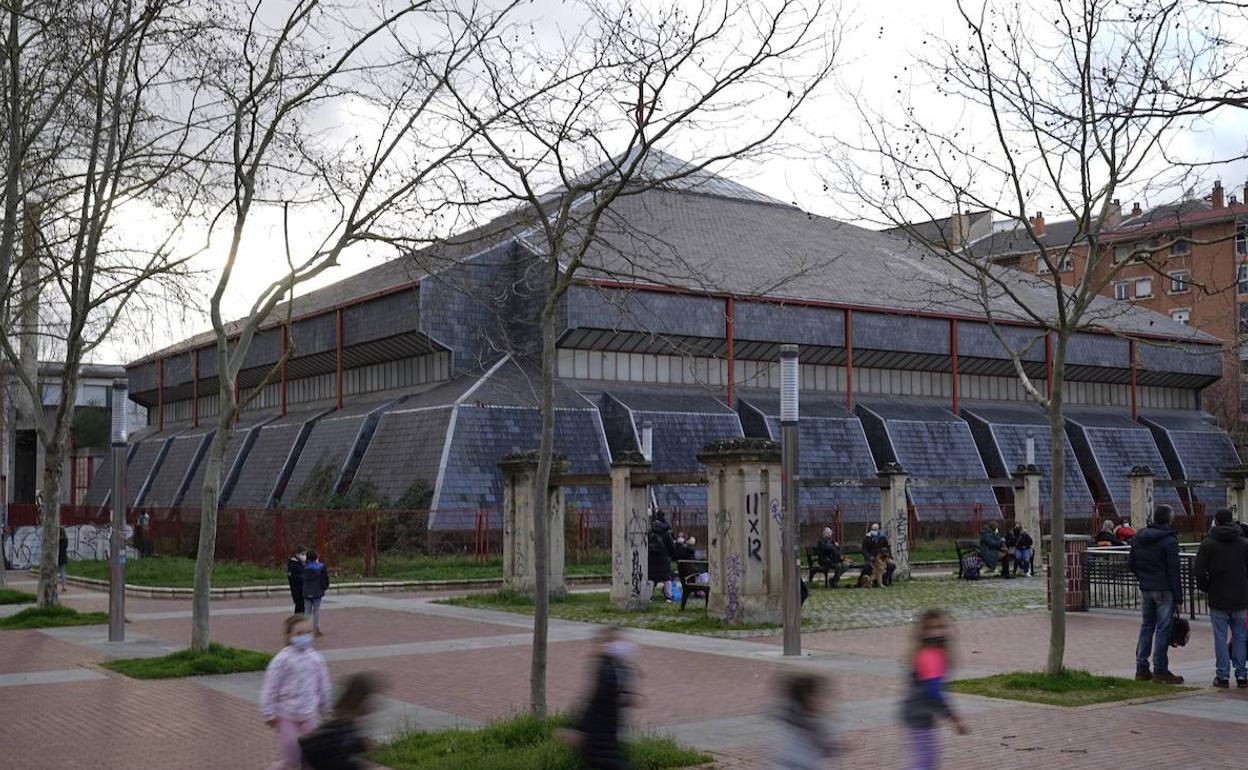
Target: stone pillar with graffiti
(894, 519)
(1237, 490)
(1141, 478)
(743, 512)
(1027, 505)
(519, 506)
(630, 526)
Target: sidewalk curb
(356, 587)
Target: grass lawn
(9, 596)
(219, 659)
(34, 617)
(523, 743)
(1072, 688)
(179, 571)
(826, 610)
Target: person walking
(598, 729)
(661, 549)
(1154, 560)
(315, 583)
(926, 702)
(804, 741)
(296, 694)
(62, 560)
(1222, 572)
(339, 743)
(294, 576)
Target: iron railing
(1112, 586)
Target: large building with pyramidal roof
(407, 380)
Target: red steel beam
(195, 388)
(849, 360)
(729, 335)
(1048, 364)
(1135, 412)
(160, 395)
(953, 359)
(282, 374)
(338, 357)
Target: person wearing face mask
(872, 544)
(926, 702)
(296, 695)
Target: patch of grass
(36, 617)
(179, 571)
(9, 596)
(218, 659)
(1071, 687)
(522, 743)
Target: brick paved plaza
(452, 665)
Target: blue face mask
(302, 641)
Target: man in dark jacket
(828, 555)
(294, 576)
(1154, 560)
(992, 549)
(660, 553)
(1222, 572)
(600, 722)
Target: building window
(1123, 252)
(1064, 265)
(1241, 238)
(1122, 290)
(1179, 281)
(1181, 316)
(1143, 288)
(1241, 280)
(1180, 246)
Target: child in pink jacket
(296, 694)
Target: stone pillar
(894, 521)
(519, 504)
(1078, 588)
(1141, 477)
(1237, 490)
(1027, 506)
(630, 526)
(743, 506)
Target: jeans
(924, 748)
(314, 612)
(1223, 658)
(1157, 612)
(1022, 557)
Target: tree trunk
(5, 451)
(1057, 508)
(50, 492)
(206, 553)
(541, 513)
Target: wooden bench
(688, 571)
(847, 565)
(964, 550)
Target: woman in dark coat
(599, 725)
(661, 552)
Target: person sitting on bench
(872, 544)
(993, 551)
(829, 556)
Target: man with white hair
(829, 557)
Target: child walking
(296, 694)
(315, 582)
(926, 702)
(804, 741)
(338, 744)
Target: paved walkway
(457, 666)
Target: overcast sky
(880, 41)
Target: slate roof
(406, 448)
(246, 424)
(1109, 444)
(1016, 240)
(269, 453)
(1194, 448)
(180, 459)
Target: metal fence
(1112, 586)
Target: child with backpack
(926, 703)
(296, 694)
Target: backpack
(335, 745)
(971, 565)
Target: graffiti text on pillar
(753, 520)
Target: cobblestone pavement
(459, 666)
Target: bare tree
(1060, 106)
(91, 142)
(726, 77)
(282, 78)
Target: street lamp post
(117, 541)
(789, 383)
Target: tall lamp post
(789, 382)
(117, 541)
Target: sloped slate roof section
(1191, 366)
(1109, 444)
(238, 440)
(831, 445)
(484, 434)
(141, 464)
(184, 454)
(101, 489)
(929, 442)
(1194, 449)
(258, 476)
(406, 448)
(1001, 433)
(326, 451)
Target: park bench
(965, 549)
(814, 568)
(688, 571)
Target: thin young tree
(286, 76)
(91, 143)
(1056, 107)
(583, 119)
